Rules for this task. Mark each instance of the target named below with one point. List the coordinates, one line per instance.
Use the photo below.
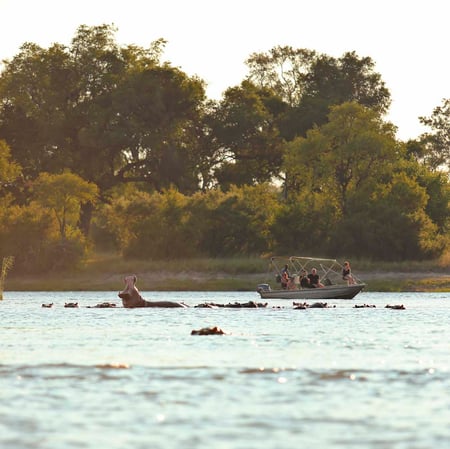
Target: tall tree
(344, 156)
(283, 70)
(244, 127)
(437, 141)
(64, 194)
(310, 83)
(352, 175)
(108, 113)
(9, 169)
(33, 91)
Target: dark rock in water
(48, 306)
(396, 307)
(214, 330)
(71, 304)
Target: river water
(280, 378)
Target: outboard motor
(263, 288)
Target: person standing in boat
(314, 279)
(347, 273)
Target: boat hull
(327, 292)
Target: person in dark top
(347, 273)
(285, 277)
(314, 280)
(304, 280)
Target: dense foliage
(296, 159)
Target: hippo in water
(132, 298)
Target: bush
(31, 235)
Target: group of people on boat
(311, 280)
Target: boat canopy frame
(330, 270)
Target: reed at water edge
(7, 264)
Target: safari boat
(329, 270)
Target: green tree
(158, 109)
(151, 225)
(392, 225)
(303, 225)
(64, 194)
(110, 114)
(236, 222)
(345, 156)
(35, 91)
(357, 184)
(433, 178)
(437, 141)
(243, 126)
(173, 225)
(438, 190)
(437, 187)
(28, 233)
(283, 70)
(9, 169)
(310, 83)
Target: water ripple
(93, 378)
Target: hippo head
(130, 294)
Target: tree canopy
(108, 113)
(297, 157)
(310, 83)
(354, 173)
(437, 141)
(64, 194)
(9, 169)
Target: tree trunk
(85, 218)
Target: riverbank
(211, 280)
(105, 272)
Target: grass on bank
(103, 262)
(105, 272)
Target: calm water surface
(282, 378)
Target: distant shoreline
(201, 281)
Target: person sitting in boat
(285, 276)
(304, 280)
(291, 285)
(314, 279)
(347, 273)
